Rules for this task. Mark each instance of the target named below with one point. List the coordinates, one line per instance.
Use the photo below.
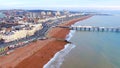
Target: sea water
(95, 49)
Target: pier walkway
(92, 28)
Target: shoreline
(58, 58)
(38, 53)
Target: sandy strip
(37, 54)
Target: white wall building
(18, 34)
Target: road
(40, 33)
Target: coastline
(58, 58)
(38, 53)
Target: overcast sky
(57, 4)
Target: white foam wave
(69, 36)
(58, 58)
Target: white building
(49, 13)
(43, 13)
(58, 13)
(18, 34)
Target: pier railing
(92, 28)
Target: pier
(92, 28)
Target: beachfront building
(21, 32)
(43, 13)
(49, 13)
(57, 13)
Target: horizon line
(63, 8)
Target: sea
(91, 49)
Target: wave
(69, 36)
(58, 58)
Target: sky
(59, 4)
